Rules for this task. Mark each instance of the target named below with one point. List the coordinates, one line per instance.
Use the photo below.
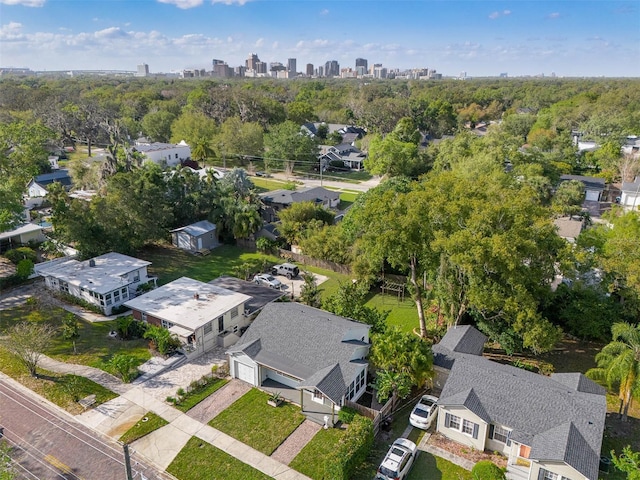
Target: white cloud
(230, 2)
(183, 4)
(495, 15)
(275, 45)
(24, 3)
(554, 15)
(506, 12)
(324, 12)
(111, 32)
(259, 43)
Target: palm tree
(202, 150)
(619, 363)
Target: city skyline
(569, 38)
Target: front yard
(253, 422)
(199, 460)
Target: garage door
(245, 373)
(592, 195)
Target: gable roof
(593, 183)
(287, 197)
(307, 343)
(631, 187)
(21, 230)
(62, 176)
(458, 339)
(534, 406)
(197, 229)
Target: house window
(116, 296)
(547, 475)
(317, 395)
(208, 327)
(166, 324)
(499, 434)
(454, 422)
(136, 276)
(234, 312)
(220, 324)
(467, 427)
(143, 316)
(64, 286)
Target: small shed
(196, 237)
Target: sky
(481, 38)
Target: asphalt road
(49, 445)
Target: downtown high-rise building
(291, 68)
(362, 62)
(252, 62)
(309, 69)
(143, 70)
(332, 68)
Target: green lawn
(261, 426)
(402, 314)
(269, 184)
(430, 467)
(310, 460)
(195, 397)
(63, 390)
(143, 427)
(170, 263)
(94, 346)
(199, 460)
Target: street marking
(60, 466)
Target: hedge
(351, 451)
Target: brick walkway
(295, 442)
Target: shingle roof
(533, 406)
(287, 197)
(458, 339)
(306, 343)
(61, 176)
(594, 183)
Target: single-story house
(593, 186)
(297, 347)
(549, 428)
(569, 228)
(630, 196)
(107, 281)
(196, 237)
(201, 315)
(166, 154)
(277, 200)
(352, 131)
(21, 235)
(37, 188)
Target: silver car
(268, 281)
(398, 460)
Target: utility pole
(127, 461)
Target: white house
(630, 196)
(21, 235)
(38, 187)
(201, 315)
(107, 281)
(165, 154)
(291, 346)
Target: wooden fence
(315, 262)
(377, 416)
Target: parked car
(267, 280)
(289, 270)
(398, 460)
(424, 412)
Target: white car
(424, 412)
(398, 460)
(267, 280)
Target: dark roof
(458, 339)
(287, 197)
(558, 417)
(631, 186)
(61, 176)
(593, 183)
(260, 295)
(306, 343)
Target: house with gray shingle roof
(320, 354)
(547, 427)
(277, 200)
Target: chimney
(196, 296)
(92, 263)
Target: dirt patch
(7, 268)
(438, 440)
(618, 433)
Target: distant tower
(362, 62)
(252, 62)
(310, 69)
(332, 68)
(291, 68)
(143, 70)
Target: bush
(21, 253)
(487, 470)
(351, 450)
(119, 309)
(24, 269)
(265, 245)
(346, 414)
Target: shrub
(119, 309)
(21, 253)
(351, 450)
(24, 269)
(265, 245)
(346, 414)
(487, 470)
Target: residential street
(49, 441)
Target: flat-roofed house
(201, 315)
(107, 281)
